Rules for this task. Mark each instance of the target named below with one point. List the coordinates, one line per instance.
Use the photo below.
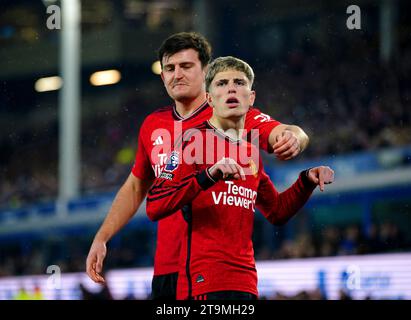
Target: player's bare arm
(125, 205)
(288, 141)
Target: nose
(178, 72)
(231, 87)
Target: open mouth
(232, 102)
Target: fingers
(99, 264)
(242, 173)
(227, 168)
(93, 274)
(100, 279)
(321, 179)
(96, 276)
(283, 138)
(94, 264)
(321, 176)
(313, 176)
(280, 145)
(237, 171)
(328, 175)
(287, 146)
(233, 170)
(289, 154)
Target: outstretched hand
(321, 176)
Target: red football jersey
(156, 136)
(217, 251)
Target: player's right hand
(94, 263)
(226, 168)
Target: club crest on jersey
(253, 168)
(172, 162)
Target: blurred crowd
(33, 254)
(338, 241)
(342, 96)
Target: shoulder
(192, 134)
(200, 128)
(255, 119)
(255, 114)
(161, 114)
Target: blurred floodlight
(104, 78)
(48, 84)
(156, 67)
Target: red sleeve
(255, 119)
(142, 168)
(277, 207)
(176, 186)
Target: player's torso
(159, 134)
(218, 238)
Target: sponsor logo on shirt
(158, 141)
(253, 168)
(159, 166)
(166, 175)
(237, 196)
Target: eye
(186, 65)
(168, 68)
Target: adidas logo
(158, 141)
(200, 278)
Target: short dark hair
(186, 40)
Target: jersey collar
(192, 114)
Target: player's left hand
(321, 175)
(287, 145)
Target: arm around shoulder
(288, 141)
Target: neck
(232, 127)
(186, 107)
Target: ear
(252, 98)
(162, 76)
(209, 99)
